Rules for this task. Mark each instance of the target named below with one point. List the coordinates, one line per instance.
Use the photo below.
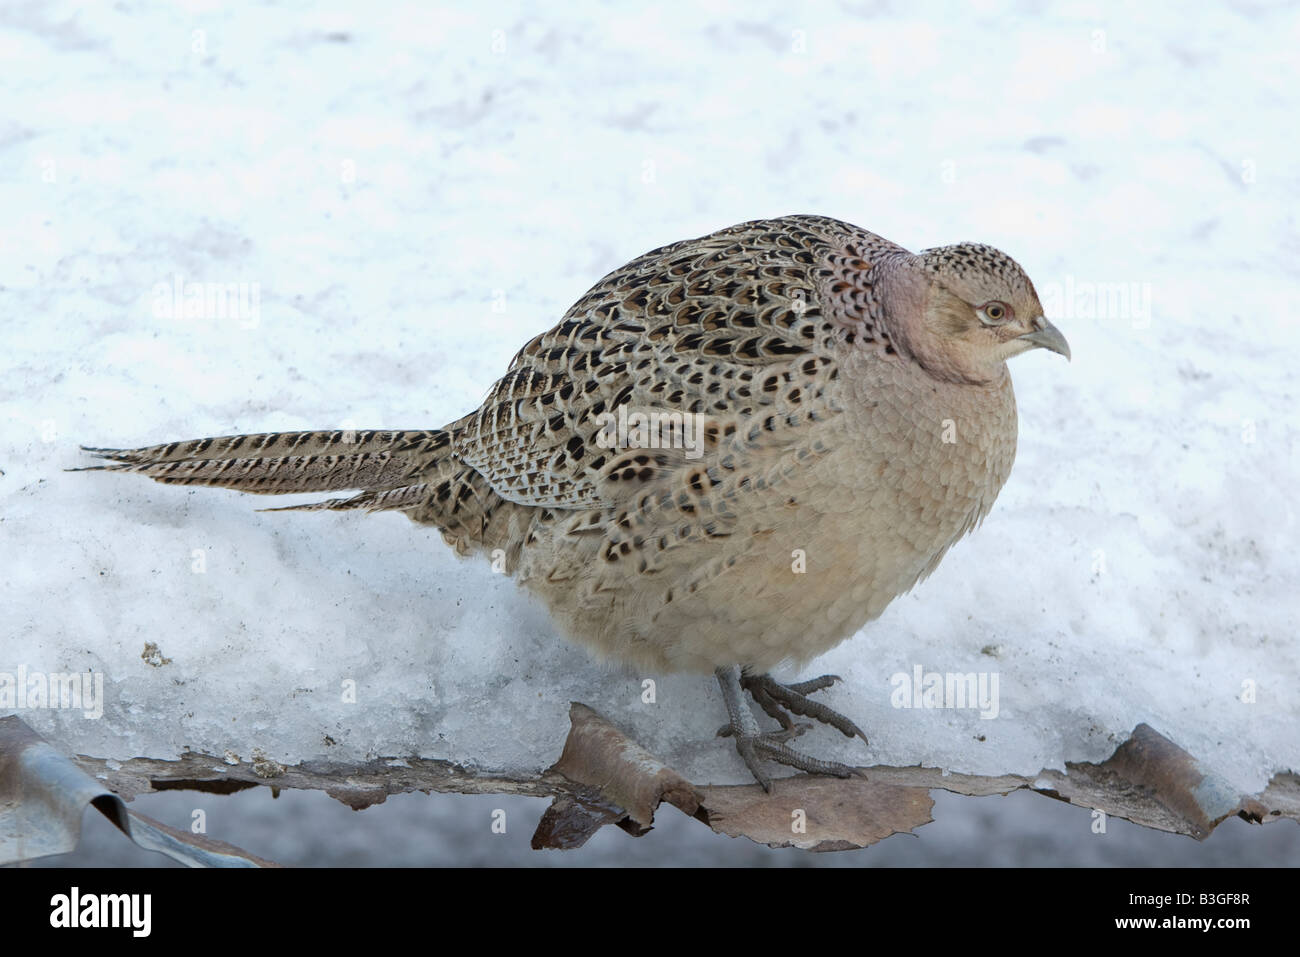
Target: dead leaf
(816, 813)
(620, 782)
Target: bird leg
(753, 744)
(778, 699)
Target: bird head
(978, 309)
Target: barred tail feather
(265, 445)
(414, 472)
(278, 463)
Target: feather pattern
(809, 374)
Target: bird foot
(779, 701)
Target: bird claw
(778, 699)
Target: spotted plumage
(851, 412)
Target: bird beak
(1047, 336)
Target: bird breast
(821, 536)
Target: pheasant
(731, 453)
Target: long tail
(390, 468)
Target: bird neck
(905, 296)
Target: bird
(729, 455)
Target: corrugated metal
(43, 798)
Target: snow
(416, 191)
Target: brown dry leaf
(1150, 780)
(816, 813)
(619, 782)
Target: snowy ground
(410, 193)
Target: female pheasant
(816, 415)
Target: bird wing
(728, 329)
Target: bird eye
(994, 312)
